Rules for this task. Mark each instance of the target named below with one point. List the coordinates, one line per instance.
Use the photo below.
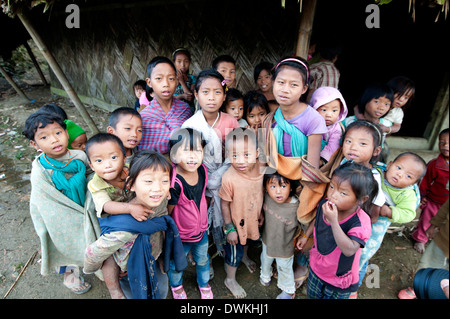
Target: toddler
(340, 230)
(77, 136)
(280, 227)
(434, 190)
(242, 200)
(126, 124)
(255, 109)
(330, 103)
(226, 65)
(188, 207)
(234, 105)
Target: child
(138, 90)
(58, 180)
(106, 155)
(164, 114)
(234, 105)
(330, 103)
(126, 124)
(186, 82)
(263, 79)
(399, 187)
(77, 136)
(214, 125)
(280, 227)
(242, 198)
(340, 230)
(188, 207)
(404, 90)
(226, 65)
(298, 128)
(434, 190)
(255, 109)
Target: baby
(330, 103)
(234, 105)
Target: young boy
(434, 190)
(126, 124)
(242, 198)
(330, 103)
(226, 65)
(58, 188)
(399, 180)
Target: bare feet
(300, 275)
(420, 247)
(251, 265)
(236, 289)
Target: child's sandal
(180, 295)
(206, 292)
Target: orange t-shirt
(246, 195)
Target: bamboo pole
(13, 84)
(35, 62)
(58, 72)
(305, 28)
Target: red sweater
(434, 184)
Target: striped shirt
(158, 126)
(323, 74)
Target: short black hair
(101, 138)
(38, 120)
(222, 58)
(374, 91)
(419, 160)
(114, 118)
(264, 65)
(280, 178)
(53, 108)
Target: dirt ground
(396, 259)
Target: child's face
(163, 81)
(51, 139)
(278, 190)
(182, 62)
(210, 95)
(235, 108)
(151, 187)
(288, 86)
(376, 108)
(79, 143)
(330, 111)
(189, 160)
(128, 129)
(106, 160)
(358, 145)
(403, 172)
(256, 116)
(243, 155)
(401, 100)
(264, 81)
(228, 71)
(443, 145)
(138, 91)
(341, 194)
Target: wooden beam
(13, 84)
(58, 72)
(35, 62)
(305, 28)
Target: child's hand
(301, 242)
(232, 238)
(330, 211)
(139, 212)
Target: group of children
(237, 171)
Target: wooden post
(13, 84)
(58, 72)
(35, 62)
(304, 30)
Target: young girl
(255, 109)
(188, 207)
(280, 227)
(186, 82)
(404, 90)
(263, 79)
(341, 228)
(234, 105)
(164, 114)
(214, 125)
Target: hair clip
(223, 83)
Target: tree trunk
(304, 30)
(13, 84)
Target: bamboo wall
(110, 50)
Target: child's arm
(313, 154)
(170, 209)
(347, 246)
(374, 213)
(308, 234)
(232, 236)
(139, 212)
(404, 210)
(358, 115)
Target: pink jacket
(321, 96)
(190, 221)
